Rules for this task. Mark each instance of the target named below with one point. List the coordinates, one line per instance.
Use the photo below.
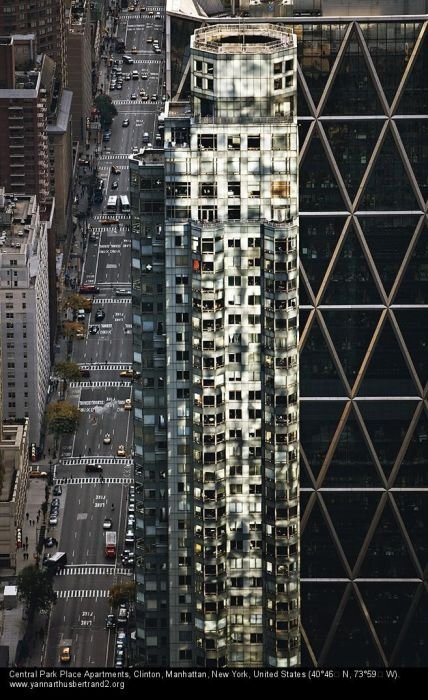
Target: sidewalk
(14, 625)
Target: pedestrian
(27, 515)
(26, 539)
(38, 518)
(38, 512)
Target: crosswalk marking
(112, 231)
(86, 570)
(110, 365)
(85, 593)
(127, 102)
(83, 481)
(107, 155)
(113, 300)
(95, 385)
(119, 217)
(71, 461)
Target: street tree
(106, 109)
(72, 328)
(62, 417)
(78, 301)
(35, 590)
(121, 592)
(68, 370)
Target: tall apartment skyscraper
(215, 235)
(24, 310)
(24, 165)
(45, 19)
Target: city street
(88, 497)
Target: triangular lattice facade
(363, 105)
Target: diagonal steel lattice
(366, 605)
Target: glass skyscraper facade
(363, 123)
(363, 319)
(215, 243)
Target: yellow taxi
(65, 655)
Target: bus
(112, 203)
(124, 204)
(56, 562)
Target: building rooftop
(243, 38)
(149, 156)
(18, 217)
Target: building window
(254, 143)
(234, 143)
(207, 142)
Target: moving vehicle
(89, 289)
(110, 544)
(126, 373)
(127, 59)
(89, 467)
(110, 621)
(65, 654)
(100, 315)
(56, 562)
(37, 474)
(107, 439)
(123, 292)
(122, 616)
(99, 195)
(112, 203)
(34, 452)
(107, 524)
(114, 185)
(121, 452)
(115, 170)
(124, 204)
(93, 330)
(125, 122)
